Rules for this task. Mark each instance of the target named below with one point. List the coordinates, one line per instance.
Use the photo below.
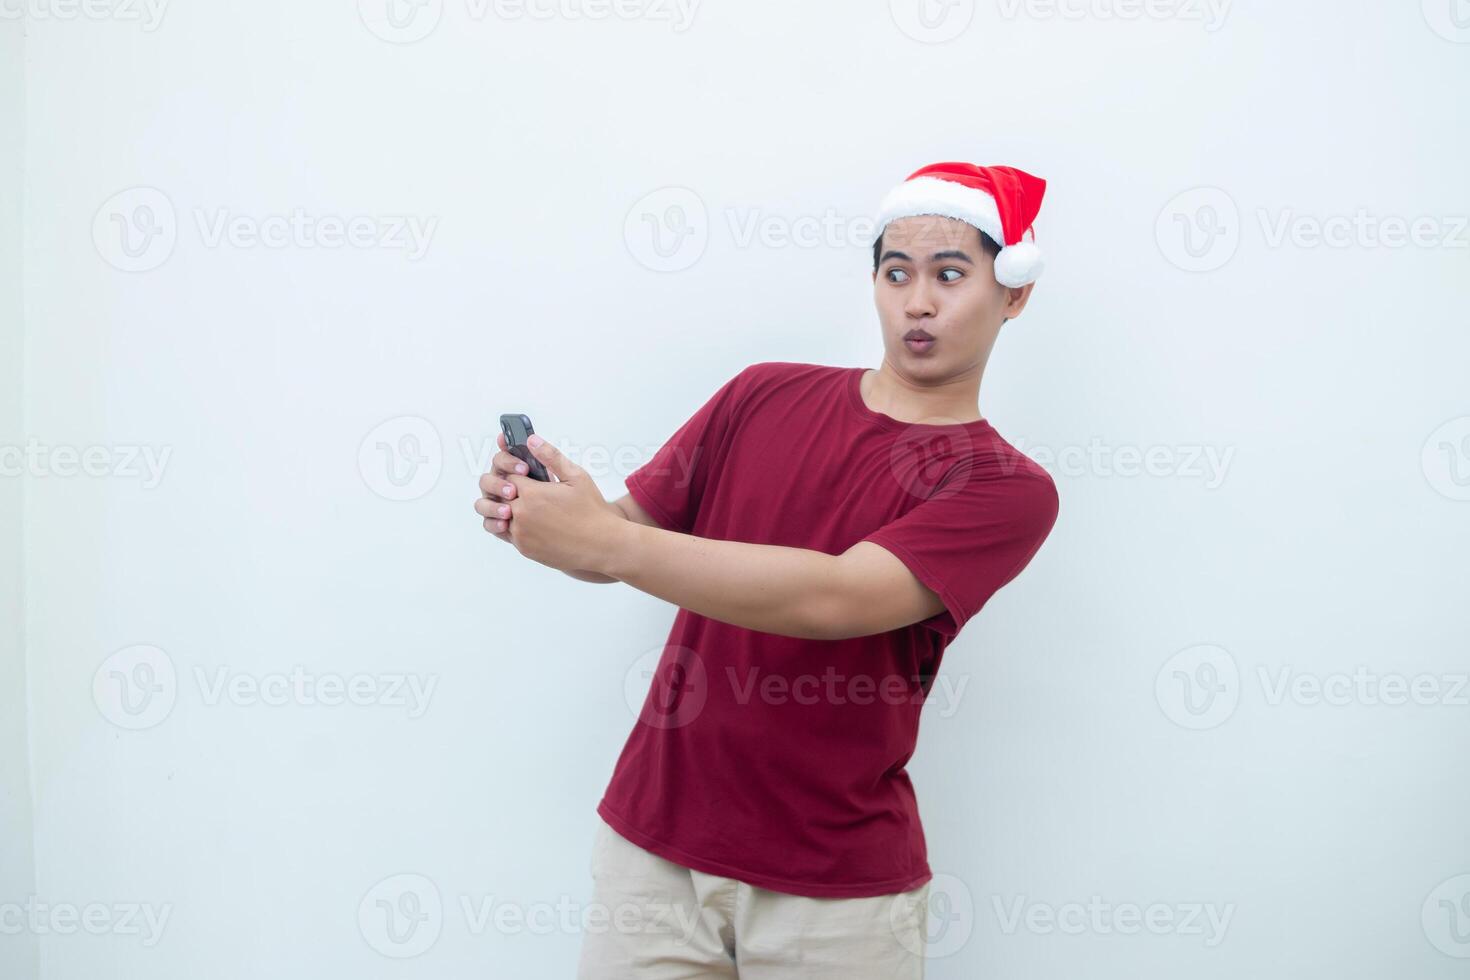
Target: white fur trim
(947, 198)
(1018, 264)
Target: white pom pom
(1018, 264)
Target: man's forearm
(596, 578)
(770, 588)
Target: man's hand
(788, 591)
(566, 525)
(497, 491)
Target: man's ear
(1016, 301)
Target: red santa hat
(1000, 201)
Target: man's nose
(920, 301)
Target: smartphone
(516, 429)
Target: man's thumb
(561, 467)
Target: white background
(1121, 736)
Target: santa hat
(1000, 201)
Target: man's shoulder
(785, 379)
(1022, 480)
(786, 370)
(1008, 460)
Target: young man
(825, 533)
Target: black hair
(991, 247)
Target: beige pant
(652, 919)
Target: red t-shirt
(780, 761)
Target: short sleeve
(968, 540)
(671, 484)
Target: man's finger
(492, 509)
(507, 463)
(551, 457)
(496, 487)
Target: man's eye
(957, 274)
(897, 272)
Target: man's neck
(956, 400)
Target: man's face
(935, 279)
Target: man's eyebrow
(953, 253)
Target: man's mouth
(918, 341)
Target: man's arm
(772, 588)
(631, 511)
